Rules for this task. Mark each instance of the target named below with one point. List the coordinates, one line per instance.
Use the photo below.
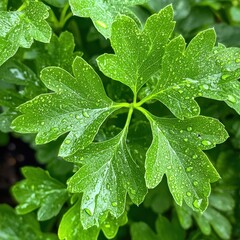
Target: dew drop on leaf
(101, 24)
(237, 60)
(189, 169)
(42, 123)
(205, 86)
(194, 156)
(189, 129)
(67, 141)
(114, 204)
(189, 194)
(224, 77)
(78, 117)
(88, 211)
(85, 114)
(231, 99)
(197, 203)
(195, 183)
(206, 143)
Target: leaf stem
(139, 104)
(129, 117)
(120, 105)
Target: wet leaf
(20, 227)
(176, 151)
(19, 28)
(138, 54)
(78, 107)
(102, 12)
(39, 191)
(108, 173)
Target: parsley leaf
(39, 190)
(108, 173)
(214, 217)
(19, 28)
(20, 227)
(138, 53)
(103, 12)
(71, 227)
(180, 157)
(78, 106)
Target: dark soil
(13, 157)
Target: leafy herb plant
(118, 124)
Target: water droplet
(206, 143)
(85, 114)
(88, 211)
(180, 91)
(101, 24)
(237, 60)
(189, 129)
(108, 186)
(231, 99)
(181, 131)
(197, 203)
(67, 141)
(224, 77)
(87, 198)
(194, 156)
(78, 117)
(189, 194)
(205, 86)
(107, 225)
(114, 204)
(189, 169)
(132, 191)
(169, 167)
(195, 183)
(185, 139)
(42, 123)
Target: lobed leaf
(20, 227)
(138, 53)
(78, 106)
(102, 12)
(39, 190)
(176, 151)
(20, 28)
(213, 217)
(108, 173)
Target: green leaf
(14, 227)
(57, 3)
(59, 52)
(176, 151)
(212, 217)
(78, 106)
(141, 231)
(138, 54)
(200, 70)
(111, 225)
(102, 12)
(108, 173)
(19, 28)
(39, 190)
(71, 228)
(165, 230)
(3, 5)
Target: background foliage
(53, 213)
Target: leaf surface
(176, 151)
(16, 227)
(198, 70)
(39, 190)
(103, 12)
(20, 28)
(78, 106)
(108, 173)
(138, 53)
